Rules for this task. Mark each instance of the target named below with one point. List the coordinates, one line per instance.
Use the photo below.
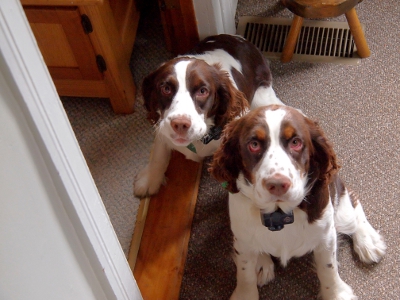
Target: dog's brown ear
(323, 162)
(230, 102)
(227, 161)
(323, 168)
(149, 92)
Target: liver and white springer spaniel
(286, 200)
(191, 98)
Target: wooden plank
(138, 232)
(163, 249)
(61, 2)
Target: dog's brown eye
(166, 90)
(202, 92)
(254, 146)
(296, 144)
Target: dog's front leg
(150, 178)
(246, 275)
(332, 286)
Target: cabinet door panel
(65, 47)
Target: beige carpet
(359, 108)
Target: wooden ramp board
(163, 247)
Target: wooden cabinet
(179, 24)
(86, 45)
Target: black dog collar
(276, 221)
(213, 134)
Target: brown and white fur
(275, 157)
(189, 94)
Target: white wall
(56, 240)
(37, 260)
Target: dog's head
(186, 96)
(282, 157)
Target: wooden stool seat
(317, 9)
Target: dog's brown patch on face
(288, 132)
(199, 83)
(250, 136)
(260, 134)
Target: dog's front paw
(147, 183)
(369, 244)
(265, 269)
(341, 291)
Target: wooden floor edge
(138, 231)
(157, 256)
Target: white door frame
(28, 77)
(215, 16)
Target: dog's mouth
(277, 205)
(181, 141)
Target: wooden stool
(317, 9)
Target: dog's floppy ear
(323, 167)
(151, 102)
(230, 102)
(227, 160)
(323, 162)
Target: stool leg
(358, 34)
(291, 39)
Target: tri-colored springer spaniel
(286, 200)
(191, 98)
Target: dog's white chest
(294, 240)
